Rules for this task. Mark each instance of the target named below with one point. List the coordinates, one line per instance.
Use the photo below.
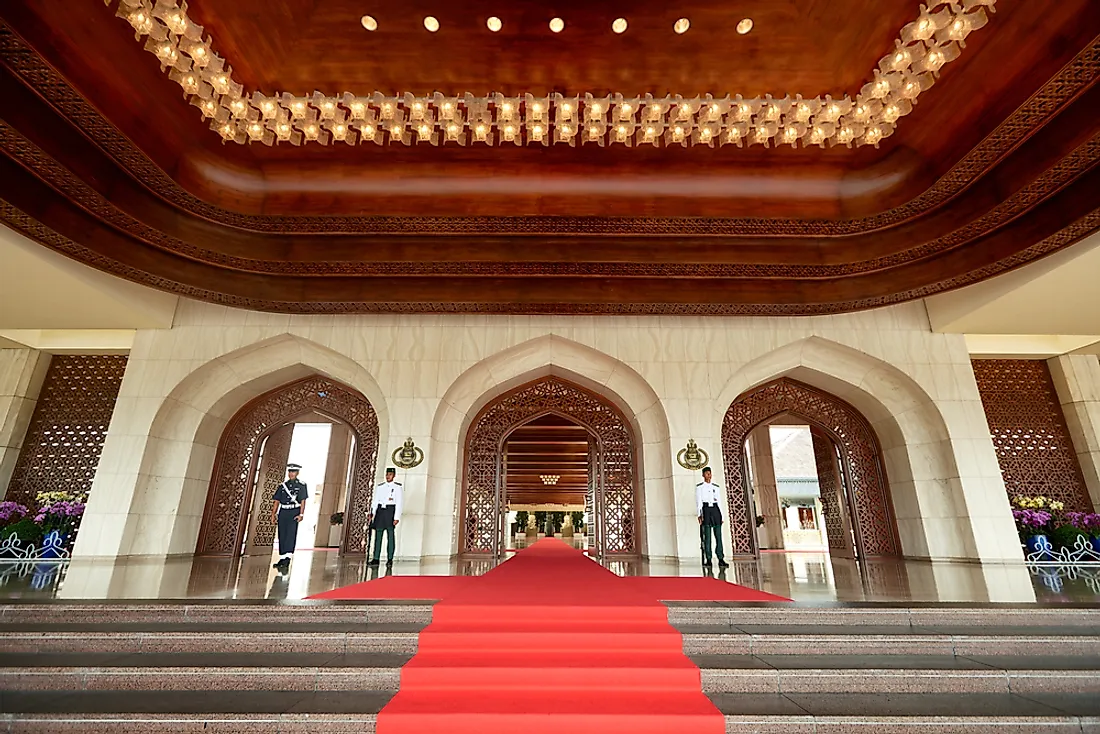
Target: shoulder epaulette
(700, 484)
(398, 483)
(379, 484)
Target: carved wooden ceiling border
(1070, 81)
(60, 178)
(21, 222)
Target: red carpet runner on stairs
(549, 641)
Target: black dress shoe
(373, 564)
(723, 564)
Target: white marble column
(765, 486)
(1077, 382)
(22, 372)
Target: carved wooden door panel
(261, 531)
(838, 525)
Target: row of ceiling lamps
(557, 25)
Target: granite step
(870, 614)
(382, 671)
(260, 614)
(344, 711)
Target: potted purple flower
(1033, 526)
(1086, 524)
(59, 522)
(12, 512)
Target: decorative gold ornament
(692, 457)
(408, 456)
(922, 48)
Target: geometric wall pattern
(612, 484)
(1029, 431)
(229, 497)
(65, 438)
(860, 461)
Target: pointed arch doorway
(610, 497)
(855, 495)
(251, 460)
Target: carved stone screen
(229, 498)
(65, 438)
(876, 534)
(1029, 431)
(483, 498)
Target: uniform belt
(710, 504)
(288, 507)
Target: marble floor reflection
(802, 576)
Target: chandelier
(923, 47)
(549, 478)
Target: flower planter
(53, 545)
(1096, 544)
(1039, 548)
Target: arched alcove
(867, 494)
(230, 494)
(589, 368)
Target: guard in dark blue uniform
(287, 513)
(707, 497)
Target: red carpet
(549, 641)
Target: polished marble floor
(802, 576)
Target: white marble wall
(1077, 382)
(22, 372)
(428, 375)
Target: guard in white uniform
(707, 498)
(388, 501)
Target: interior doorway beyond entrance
(548, 405)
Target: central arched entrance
(611, 500)
(251, 459)
(854, 492)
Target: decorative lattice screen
(1029, 431)
(65, 438)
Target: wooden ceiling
(104, 161)
(551, 446)
(298, 46)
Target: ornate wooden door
(272, 470)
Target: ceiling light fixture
(549, 478)
(619, 25)
(922, 49)
(494, 24)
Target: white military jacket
(706, 493)
(389, 494)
